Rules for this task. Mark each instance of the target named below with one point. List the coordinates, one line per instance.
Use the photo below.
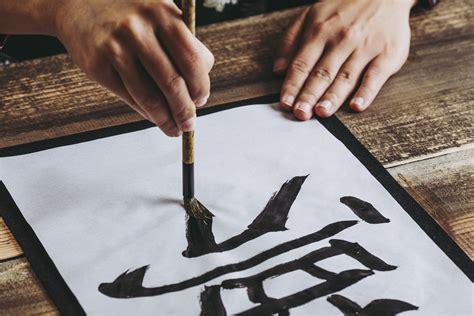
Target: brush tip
(195, 209)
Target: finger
(320, 78)
(289, 44)
(299, 70)
(377, 73)
(192, 59)
(157, 64)
(343, 85)
(144, 91)
(109, 78)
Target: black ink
(275, 214)
(356, 251)
(200, 237)
(127, 282)
(273, 218)
(130, 285)
(307, 263)
(387, 307)
(345, 305)
(337, 283)
(254, 283)
(211, 301)
(381, 307)
(364, 210)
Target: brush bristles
(195, 209)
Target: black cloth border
(41, 263)
(61, 294)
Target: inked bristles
(195, 209)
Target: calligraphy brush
(193, 207)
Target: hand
(143, 52)
(337, 46)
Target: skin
(337, 48)
(143, 52)
(140, 50)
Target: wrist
(45, 16)
(32, 17)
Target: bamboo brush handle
(189, 14)
(189, 17)
(188, 147)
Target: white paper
(105, 206)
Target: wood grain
(9, 248)
(420, 125)
(21, 292)
(50, 97)
(443, 186)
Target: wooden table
(420, 126)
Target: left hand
(337, 46)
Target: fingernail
(304, 106)
(326, 104)
(201, 102)
(189, 124)
(359, 101)
(280, 64)
(289, 100)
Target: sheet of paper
(103, 207)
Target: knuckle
(300, 66)
(131, 28)
(194, 62)
(322, 73)
(183, 113)
(332, 96)
(209, 60)
(318, 28)
(199, 91)
(368, 84)
(367, 88)
(113, 52)
(125, 27)
(348, 33)
(287, 40)
(373, 73)
(345, 75)
(147, 101)
(199, 57)
(174, 85)
(290, 87)
(165, 123)
(308, 96)
(91, 67)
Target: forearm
(28, 17)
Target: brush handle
(188, 165)
(189, 14)
(189, 17)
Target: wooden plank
(50, 97)
(443, 186)
(9, 248)
(423, 111)
(21, 292)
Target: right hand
(143, 52)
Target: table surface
(420, 127)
